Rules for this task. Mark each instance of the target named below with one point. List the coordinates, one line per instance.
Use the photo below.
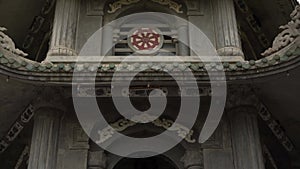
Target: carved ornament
(123, 124)
(290, 32)
(7, 43)
(119, 4)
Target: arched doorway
(157, 162)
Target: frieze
(290, 32)
(167, 124)
(120, 3)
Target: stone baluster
(63, 38)
(227, 37)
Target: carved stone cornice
(14, 66)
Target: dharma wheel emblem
(145, 40)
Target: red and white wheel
(145, 40)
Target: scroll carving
(290, 32)
(119, 4)
(172, 5)
(7, 43)
(123, 124)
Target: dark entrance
(158, 162)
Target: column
(226, 30)
(247, 150)
(43, 151)
(64, 28)
(193, 159)
(183, 40)
(107, 40)
(97, 160)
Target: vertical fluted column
(247, 150)
(183, 43)
(227, 36)
(193, 159)
(63, 38)
(43, 151)
(107, 40)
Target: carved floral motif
(7, 43)
(118, 5)
(172, 5)
(123, 124)
(290, 32)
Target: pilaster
(63, 38)
(227, 38)
(43, 152)
(247, 150)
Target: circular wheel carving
(145, 40)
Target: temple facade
(58, 59)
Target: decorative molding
(290, 32)
(14, 66)
(16, 128)
(88, 91)
(276, 128)
(120, 3)
(123, 124)
(252, 21)
(172, 5)
(7, 43)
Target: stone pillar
(43, 151)
(227, 36)
(63, 38)
(193, 159)
(183, 36)
(97, 160)
(247, 150)
(107, 40)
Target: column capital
(241, 96)
(50, 98)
